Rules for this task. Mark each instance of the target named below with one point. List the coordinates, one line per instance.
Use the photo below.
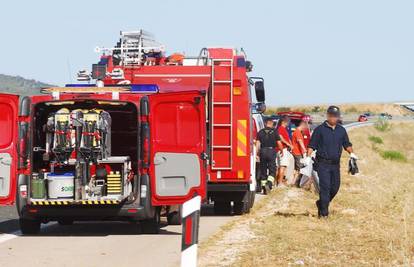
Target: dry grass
(371, 223)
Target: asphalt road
(96, 243)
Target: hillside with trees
(20, 85)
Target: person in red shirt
(283, 156)
(299, 148)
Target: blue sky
(307, 51)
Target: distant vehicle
(385, 116)
(295, 118)
(363, 118)
(367, 114)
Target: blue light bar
(144, 88)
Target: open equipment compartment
(84, 150)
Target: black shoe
(270, 185)
(266, 189)
(319, 208)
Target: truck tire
(238, 207)
(174, 218)
(151, 226)
(66, 221)
(242, 207)
(252, 198)
(29, 227)
(222, 207)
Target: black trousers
(267, 162)
(329, 183)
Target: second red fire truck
(141, 133)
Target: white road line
(9, 236)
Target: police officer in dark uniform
(267, 141)
(328, 139)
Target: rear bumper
(228, 187)
(81, 212)
(227, 191)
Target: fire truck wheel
(241, 207)
(252, 198)
(29, 227)
(174, 218)
(222, 207)
(238, 208)
(151, 226)
(66, 221)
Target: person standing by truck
(283, 154)
(267, 141)
(328, 140)
(299, 149)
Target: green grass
(382, 125)
(376, 140)
(393, 155)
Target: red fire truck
(149, 133)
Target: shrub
(393, 155)
(283, 109)
(382, 125)
(316, 109)
(351, 110)
(376, 139)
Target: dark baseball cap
(334, 110)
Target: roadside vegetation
(19, 85)
(371, 223)
(382, 125)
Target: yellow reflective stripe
(241, 138)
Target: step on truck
(149, 133)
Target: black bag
(352, 166)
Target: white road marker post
(189, 241)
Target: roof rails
(133, 47)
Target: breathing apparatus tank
(90, 144)
(60, 124)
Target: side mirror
(249, 66)
(260, 108)
(260, 91)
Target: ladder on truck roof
(222, 114)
